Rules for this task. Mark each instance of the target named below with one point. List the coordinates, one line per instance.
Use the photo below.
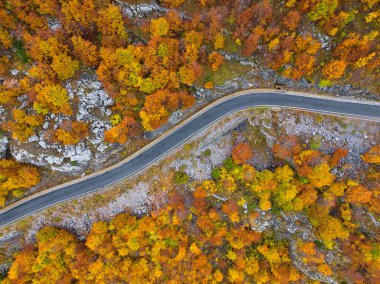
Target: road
(180, 134)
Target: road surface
(180, 134)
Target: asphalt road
(180, 135)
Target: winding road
(182, 133)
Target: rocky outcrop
(140, 10)
(93, 103)
(4, 143)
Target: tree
(338, 155)
(324, 9)
(78, 15)
(159, 27)
(71, 132)
(158, 106)
(334, 70)
(373, 155)
(219, 41)
(23, 125)
(358, 194)
(16, 178)
(111, 26)
(64, 66)
(215, 60)
(321, 176)
(330, 229)
(291, 20)
(241, 153)
(172, 3)
(127, 127)
(52, 98)
(85, 50)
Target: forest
(151, 67)
(205, 235)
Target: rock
(141, 10)
(33, 138)
(265, 220)
(4, 145)
(15, 72)
(54, 24)
(42, 144)
(175, 117)
(46, 125)
(56, 157)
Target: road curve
(181, 133)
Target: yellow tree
(64, 66)
(52, 98)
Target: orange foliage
(215, 60)
(358, 194)
(373, 155)
(338, 155)
(241, 153)
(158, 106)
(335, 69)
(71, 132)
(291, 20)
(16, 177)
(120, 133)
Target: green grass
(228, 71)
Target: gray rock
(42, 144)
(4, 145)
(141, 10)
(15, 72)
(46, 125)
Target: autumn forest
(154, 65)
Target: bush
(181, 178)
(215, 174)
(229, 164)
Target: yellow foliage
(209, 186)
(231, 255)
(321, 176)
(273, 44)
(370, 3)
(219, 41)
(265, 204)
(159, 27)
(195, 249)
(325, 269)
(290, 3)
(5, 38)
(363, 61)
(53, 98)
(337, 189)
(64, 66)
(209, 85)
(371, 16)
(371, 36)
(330, 229)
